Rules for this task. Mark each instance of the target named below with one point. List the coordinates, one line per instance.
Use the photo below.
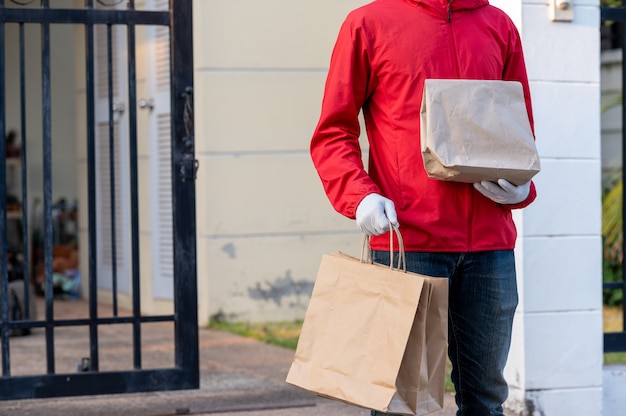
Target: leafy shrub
(613, 237)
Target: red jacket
(384, 52)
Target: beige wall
(263, 219)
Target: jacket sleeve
(335, 146)
(515, 70)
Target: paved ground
(239, 376)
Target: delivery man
(464, 232)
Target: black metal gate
(102, 18)
(614, 38)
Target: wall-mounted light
(561, 10)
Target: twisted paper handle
(401, 253)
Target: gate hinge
(189, 168)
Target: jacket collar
(455, 4)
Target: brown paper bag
(374, 337)
(473, 130)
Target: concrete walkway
(239, 376)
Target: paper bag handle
(401, 253)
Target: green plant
(613, 237)
(612, 215)
(612, 223)
(283, 334)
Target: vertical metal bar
(623, 23)
(184, 193)
(4, 272)
(614, 341)
(112, 166)
(91, 191)
(134, 198)
(47, 188)
(25, 239)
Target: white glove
(506, 193)
(374, 214)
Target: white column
(555, 365)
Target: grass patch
(612, 318)
(613, 321)
(615, 358)
(283, 334)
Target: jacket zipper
(470, 236)
(451, 34)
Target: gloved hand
(505, 193)
(374, 214)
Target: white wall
(555, 366)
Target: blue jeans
(483, 298)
